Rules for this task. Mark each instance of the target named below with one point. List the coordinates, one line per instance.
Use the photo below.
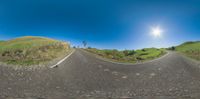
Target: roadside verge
(110, 61)
(59, 62)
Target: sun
(156, 31)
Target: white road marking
(56, 65)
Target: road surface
(83, 76)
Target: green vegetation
(190, 49)
(31, 50)
(130, 56)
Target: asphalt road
(83, 76)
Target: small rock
(57, 87)
(106, 70)
(125, 97)
(186, 90)
(137, 74)
(152, 74)
(124, 77)
(170, 89)
(100, 66)
(115, 73)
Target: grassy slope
(190, 49)
(31, 50)
(129, 56)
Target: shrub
(131, 52)
(128, 52)
(129, 55)
(172, 48)
(143, 49)
(89, 47)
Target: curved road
(83, 76)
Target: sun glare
(156, 31)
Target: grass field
(190, 49)
(129, 56)
(31, 50)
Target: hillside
(129, 56)
(190, 49)
(31, 50)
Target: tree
(173, 48)
(128, 52)
(131, 52)
(84, 43)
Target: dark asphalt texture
(83, 76)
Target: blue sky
(119, 24)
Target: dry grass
(129, 56)
(31, 50)
(191, 49)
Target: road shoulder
(59, 62)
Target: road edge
(59, 62)
(107, 60)
(191, 60)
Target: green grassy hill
(130, 56)
(31, 50)
(190, 49)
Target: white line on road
(56, 65)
